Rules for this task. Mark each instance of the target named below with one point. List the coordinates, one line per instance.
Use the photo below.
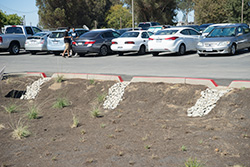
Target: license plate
(55, 42)
(80, 43)
(120, 47)
(209, 49)
(158, 40)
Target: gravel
(33, 89)
(206, 102)
(115, 95)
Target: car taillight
(42, 41)
(151, 39)
(130, 42)
(1, 39)
(89, 42)
(171, 38)
(114, 43)
(73, 43)
(13, 26)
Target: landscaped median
(66, 124)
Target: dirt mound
(150, 127)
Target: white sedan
(175, 40)
(131, 41)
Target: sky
(28, 9)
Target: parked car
(95, 41)
(55, 42)
(146, 25)
(154, 29)
(131, 41)
(37, 42)
(196, 27)
(176, 40)
(225, 40)
(14, 37)
(79, 31)
(123, 30)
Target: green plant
(183, 148)
(96, 113)
(193, 163)
(33, 112)
(59, 78)
(75, 122)
(103, 125)
(12, 108)
(92, 81)
(20, 130)
(201, 141)
(101, 98)
(242, 88)
(61, 103)
(148, 147)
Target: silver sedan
(225, 40)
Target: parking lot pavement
(221, 68)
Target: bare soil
(149, 128)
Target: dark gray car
(225, 40)
(95, 41)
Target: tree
(62, 13)
(11, 19)
(162, 11)
(185, 6)
(210, 11)
(118, 14)
(234, 11)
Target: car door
(246, 36)
(186, 38)
(107, 38)
(240, 38)
(194, 38)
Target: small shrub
(20, 130)
(96, 113)
(101, 98)
(59, 78)
(193, 163)
(61, 103)
(92, 82)
(10, 108)
(183, 148)
(33, 112)
(148, 147)
(75, 122)
(103, 125)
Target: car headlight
(224, 43)
(199, 44)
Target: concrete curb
(239, 84)
(43, 75)
(194, 81)
(89, 76)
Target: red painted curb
(211, 80)
(40, 73)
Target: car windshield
(40, 34)
(144, 25)
(56, 35)
(14, 30)
(223, 32)
(90, 34)
(130, 34)
(208, 29)
(166, 32)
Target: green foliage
(12, 108)
(119, 17)
(33, 112)
(92, 82)
(95, 113)
(61, 103)
(59, 78)
(75, 122)
(11, 19)
(193, 163)
(161, 11)
(183, 148)
(101, 98)
(20, 130)
(220, 11)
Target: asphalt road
(223, 69)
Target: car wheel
(155, 54)
(33, 53)
(142, 50)
(182, 49)
(103, 50)
(120, 53)
(14, 48)
(233, 49)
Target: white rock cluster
(34, 88)
(206, 102)
(115, 95)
